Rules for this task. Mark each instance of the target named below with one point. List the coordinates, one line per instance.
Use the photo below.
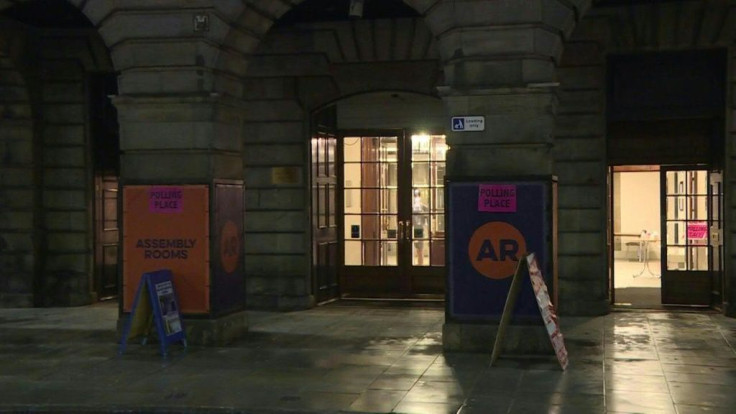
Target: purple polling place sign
(496, 198)
(165, 200)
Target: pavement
(363, 358)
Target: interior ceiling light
(356, 9)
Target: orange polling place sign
(167, 227)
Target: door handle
(400, 233)
(407, 233)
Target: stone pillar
(500, 60)
(18, 185)
(517, 142)
(181, 140)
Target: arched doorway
(301, 88)
(380, 196)
(645, 94)
(17, 184)
(74, 154)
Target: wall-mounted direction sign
(468, 123)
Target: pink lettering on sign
(496, 198)
(697, 230)
(165, 200)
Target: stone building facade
(191, 92)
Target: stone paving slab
(364, 358)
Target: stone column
(517, 141)
(180, 140)
(500, 60)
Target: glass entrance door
(392, 214)
(686, 251)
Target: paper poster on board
(167, 227)
(492, 225)
(154, 304)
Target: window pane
(370, 200)
(420, 226)
(439, 147)
(676, 206)
(389, 175)
(420, 147)
(331, 205)
(676, 181)
(676, 232)
(438, 200)
(352, 227)
(697, 258)
(388, 149)
(389, 253)
(438, 226)
(420, 174)
(322, 207)
(371, 227)
(315, 157)
(352, 253)
(438, 252)
(676, 258)
(321, 151)
(352, 176)
(351, 149)
(370, 174)
(697, 208)
(389, 201)
(698, 182)
(331, 148)
(438, 177)
(420, 253)
(389, 227)
(352, 201)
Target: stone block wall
(46, 192)
(65, 161)
(295, 72)
(580, 137)
(729, 189)
(581, 167)
(17, 178)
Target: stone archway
(489, 53)
(294, 71)
(248, 25)
(580, 130)
(61, 68)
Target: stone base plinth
(282, 303)
(476, 337)
(208, 331)
(216, 331)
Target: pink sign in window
(165, 200)
(697, 230)
(497, 198)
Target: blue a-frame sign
(155, 301)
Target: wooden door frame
(403, 280)
(368, 281)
